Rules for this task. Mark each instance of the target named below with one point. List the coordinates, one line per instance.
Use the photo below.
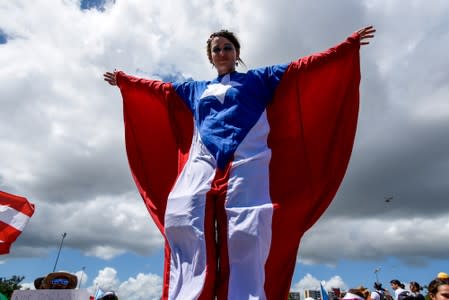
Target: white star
(219, 89)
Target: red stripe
(215, 200)
(223, 276)
(167, 254)
(8, 233)
(18, 203)
(4, 248)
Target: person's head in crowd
(439, 289)
(395, 284)
(415, 287)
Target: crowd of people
(437, 289)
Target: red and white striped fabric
(15, 212)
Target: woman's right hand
(111, 77)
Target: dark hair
(395, 281)
(436, 283)
(227, 35)
(416, 285)
(378, 286)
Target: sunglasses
(226, 48)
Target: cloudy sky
(62, 144)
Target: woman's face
(224, 55)
(442, 293)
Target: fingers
(110, 77)
(366, 34)
(367, 30)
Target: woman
(234, 170)
(439, 289)
(416, 288)
(379, 292)
(398, 288)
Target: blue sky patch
(165, 72)
(90, 4)
(173, 77)
(3, 37)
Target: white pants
(218, 222)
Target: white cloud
(105, 252)
(142, 287)
(106, 280)
(373, 239)
(309, 282)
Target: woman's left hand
(366, 34)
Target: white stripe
(249, 211)
(13, 217)
(184, 223)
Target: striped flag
(15, 212)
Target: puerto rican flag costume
(235, 170)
